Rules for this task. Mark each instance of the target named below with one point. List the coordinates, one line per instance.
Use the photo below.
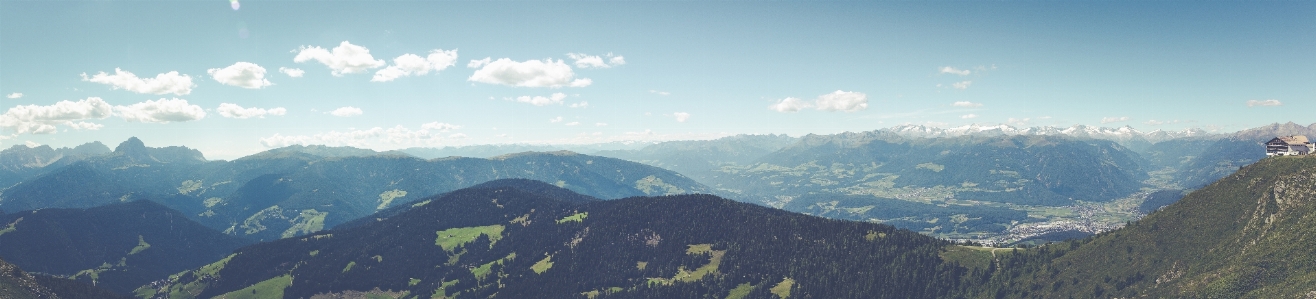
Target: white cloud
(170, 82)
(409, 64)
(661, 93)
(475, 64)
(962, 85)
(574, 123)
(161, 111)
(681, 116)
(530, 73)
(438, 126)
(1159, 122)
(1018, 122)
(234, 111)
(555, 119)
(332, 138)
(848, 101)
(348, 111)
(1272, 102)
(582, 104)
(954, 71)
(969, 116)
(966, 104)
(31, 144)
(789, 105)
(82, 125)
(581, 82)
(15, 95)
(586, 61)
(292, 72)
(589, 61)
(1106, 120)
(241, 74)
(346, 58)
(600, 124)
(42, 119)
(555, 98)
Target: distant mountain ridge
(297, 190)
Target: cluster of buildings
(1288, 146)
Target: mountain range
(293, 191)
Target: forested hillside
(505, 242)
(1248, 235)
(117, 247)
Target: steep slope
(18, 284)
(505, 242)
(1248, 235)
(1228, 154)
(118, 247)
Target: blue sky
(677, 70)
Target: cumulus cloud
(15, 95)
(36, 119)
(348, 111)
(160, 111)
(962, 85)
(170, 82)
(475, 64)
(241, 74)
(589, 61)
(966, 104)
(412, 64)
(555, 119)
(291, 72)
(600, 124)
(234, 111)
(1018, 122)
(1161, 122)
(848, 101)
(954, 71)
(681, 116)
(582, 104)
(969, 116)
(530, 73)
(1271, 102)
(574, 123)
(1106, 120)
(661, 93)
(346, 58)
(790, 105)
(555, 98)
(438, 126)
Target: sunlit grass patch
(451, 239)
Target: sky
(233, 78)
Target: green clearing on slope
(451, 239)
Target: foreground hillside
(1249, 235)
(117, 247)
(504, 242)
(18, 284)
(293, 191)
